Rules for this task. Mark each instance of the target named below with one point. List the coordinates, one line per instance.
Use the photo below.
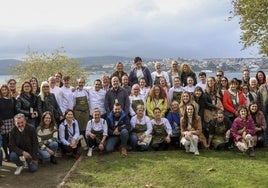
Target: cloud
(151, 28)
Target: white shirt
(163, 73)
(71, 133)
(203, 86)
(97, 126)
(58, 93)
(80, 93)
(66, 99)
(172, 90)
(133, 98)
(166, 123)
(144, 121)
(96, 100)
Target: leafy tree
(45, 65)
(253, 16)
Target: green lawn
(172, 169)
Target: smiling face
(185, 97)
(189, 110)
(47, 119)
(20, 122)
(4, 91)
(243, 113)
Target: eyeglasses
(45, 87)
(223, 80)
(218, 75)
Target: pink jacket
(239, 124)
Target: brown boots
(124, 151)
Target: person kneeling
(161, 131)
(47, 135)
(23, 145)
(70, 138)
(191, 130)
(118, 129)
(96, 132)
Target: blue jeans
(113, 140)
(44, 153)
(14, 157)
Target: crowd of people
(138, 111)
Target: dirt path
(47, 176)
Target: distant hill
(6, 63)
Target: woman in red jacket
(232, 99)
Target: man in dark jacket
(23, 145)
(118, 129)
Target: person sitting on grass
(219, 131)
(23, 145)
(191, 130)
(243, 130)
(69, 135)
(47, 135)
(96, 132)
(141, 130)
(161, 131)
(118, 129)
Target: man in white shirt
(97, 98)
(203, 81)
(66, 95)
(55, 89)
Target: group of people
(137, 111)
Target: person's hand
(188, 135)
(51, 152)
(61, 117)
(168, 140)
(73, 144)
(35, 162)
(141, 138)
(116, 132)
(92, 136)
(26, 155)
(101, 146)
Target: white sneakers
(18, 170)
(89, 153)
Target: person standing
(7, 112)
(81, 105)
(23, 145)
(173, 72)
(46, 101)
(66, 95)
(97, 98)
(116, 94)
(138, 72)
(27, 104)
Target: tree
(253, 15)
(45, 65)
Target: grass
(172, 169)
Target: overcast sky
(146, 28)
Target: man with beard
(23, 145)
(118, 129)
